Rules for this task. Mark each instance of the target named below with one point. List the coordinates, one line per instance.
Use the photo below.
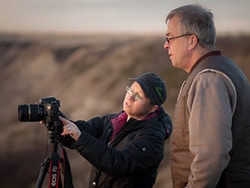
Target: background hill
(88, 74)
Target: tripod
(58, 167)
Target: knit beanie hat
(153, 87)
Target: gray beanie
(153, 87)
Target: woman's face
(136, 104)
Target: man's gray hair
(198, 21)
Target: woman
(126, 148)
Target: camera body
(47, 110)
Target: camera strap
(66, 174)
(54, 181)
(60, 171)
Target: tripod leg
(42, 173)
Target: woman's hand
(69, 128)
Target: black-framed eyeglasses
(176, 37)
(136, 96)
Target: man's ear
(193, 42)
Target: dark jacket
(131, 158)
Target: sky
(104, 16)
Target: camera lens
(30, 112)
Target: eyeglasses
(136, 96)
(176, 37)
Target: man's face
(176, 43)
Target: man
(210, 143)
(126, 148)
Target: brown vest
(181, 158)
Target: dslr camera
(47, 110)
